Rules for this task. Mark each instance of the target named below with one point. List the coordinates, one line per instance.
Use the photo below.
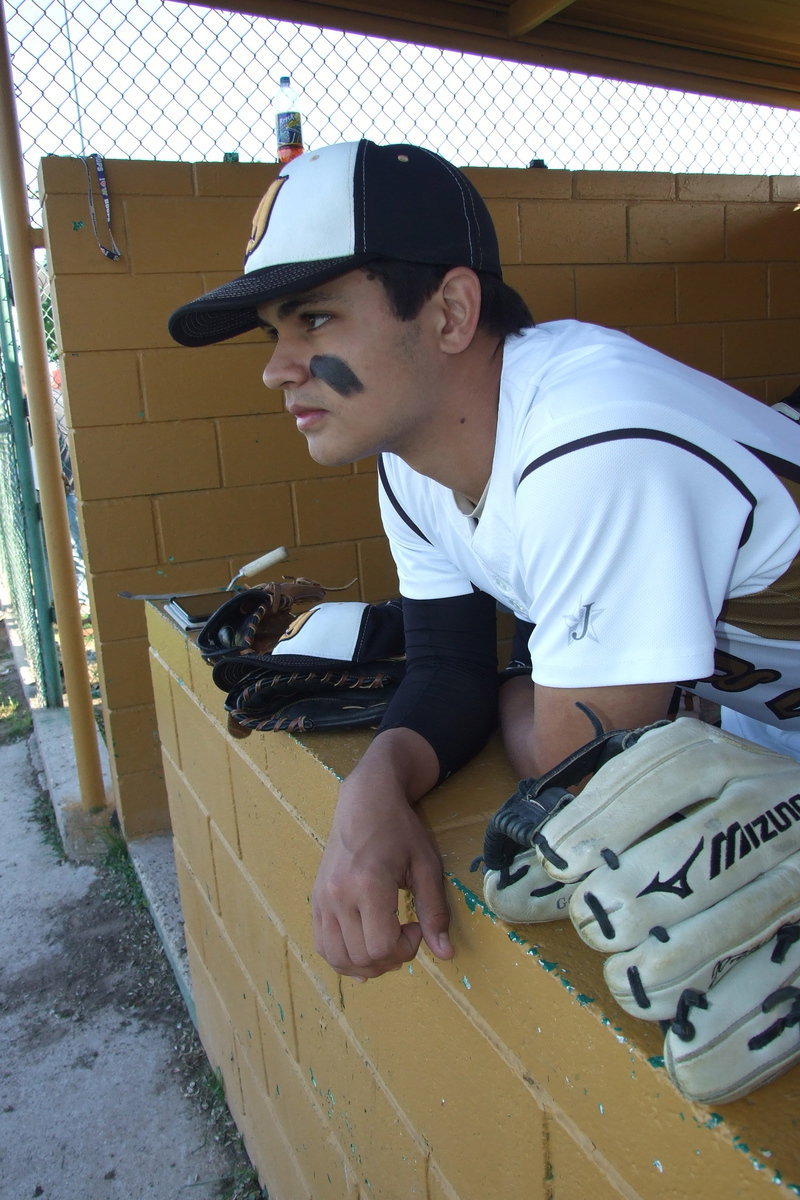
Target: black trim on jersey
(656, 435)
(401, 512)
(779, 466)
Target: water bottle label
(287, 129)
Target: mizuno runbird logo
(728, 847)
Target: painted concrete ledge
(520, 1020)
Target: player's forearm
(398, 762)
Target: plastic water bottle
(288, 125)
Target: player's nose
(285, 369)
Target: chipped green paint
(548, 966)
(583, 1000)
(312, 1077)
(466, 983)
(277, 1089)
(517, 938)
(281, 1013)
(471, 899)
(657, 1060)
(269, 989)
(78, 225)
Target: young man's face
(356, 379)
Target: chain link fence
(23, 564)
(158, 79)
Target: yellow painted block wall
(185, 466)
(507, 1072)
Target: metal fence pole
(45, 441)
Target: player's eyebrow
(292, 303)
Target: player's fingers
(432, 909)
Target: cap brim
(232, 308)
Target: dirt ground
(109, 959)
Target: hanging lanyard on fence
(114, 253)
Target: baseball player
(640, 519)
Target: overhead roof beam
(525, 15)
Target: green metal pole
(40, 577)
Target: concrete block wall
(185, 465)
(507, 1072)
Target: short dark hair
(408, 285)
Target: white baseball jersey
(642, 515)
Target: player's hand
(377, 847)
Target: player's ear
(458, 308)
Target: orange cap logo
(262, 215)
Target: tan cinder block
(132, 738)
(268, 1144)
(175, 234)
(758, 232)
(548, 291)
(624, 185)
(411, 1009)
(388, 1158)
(91, 380)
(117, 312)
(624, 294)
(234, 179)
(120, 533)
(204, 762)
(676, 232)
(128, 177)
(138, 460)
(57, 174)
(195, 909)
(784, 294)
(330, 510)
(202, 685)
(70, 239)
(162, 695)
(142, 800)
(281, 857)
(521, 183)
(766, 347)
(574, 1172)
(722, 187)
(304, 1116)
(376, 570)
(259, 941)
(582, 231)
(215, 1029)
(333, 565)
(210, 381)
(267, 449)
(225, 522)
(438, 1187)
(782, 385)
(721, 291)
(785, 187)
(166, 639)
(192, 834)
(699, 346)
(505, 216)
(236, 991)
(125, 674)
(294, 769)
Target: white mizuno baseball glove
(680, 858)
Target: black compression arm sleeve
(449, 693)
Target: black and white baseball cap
(331, 210)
